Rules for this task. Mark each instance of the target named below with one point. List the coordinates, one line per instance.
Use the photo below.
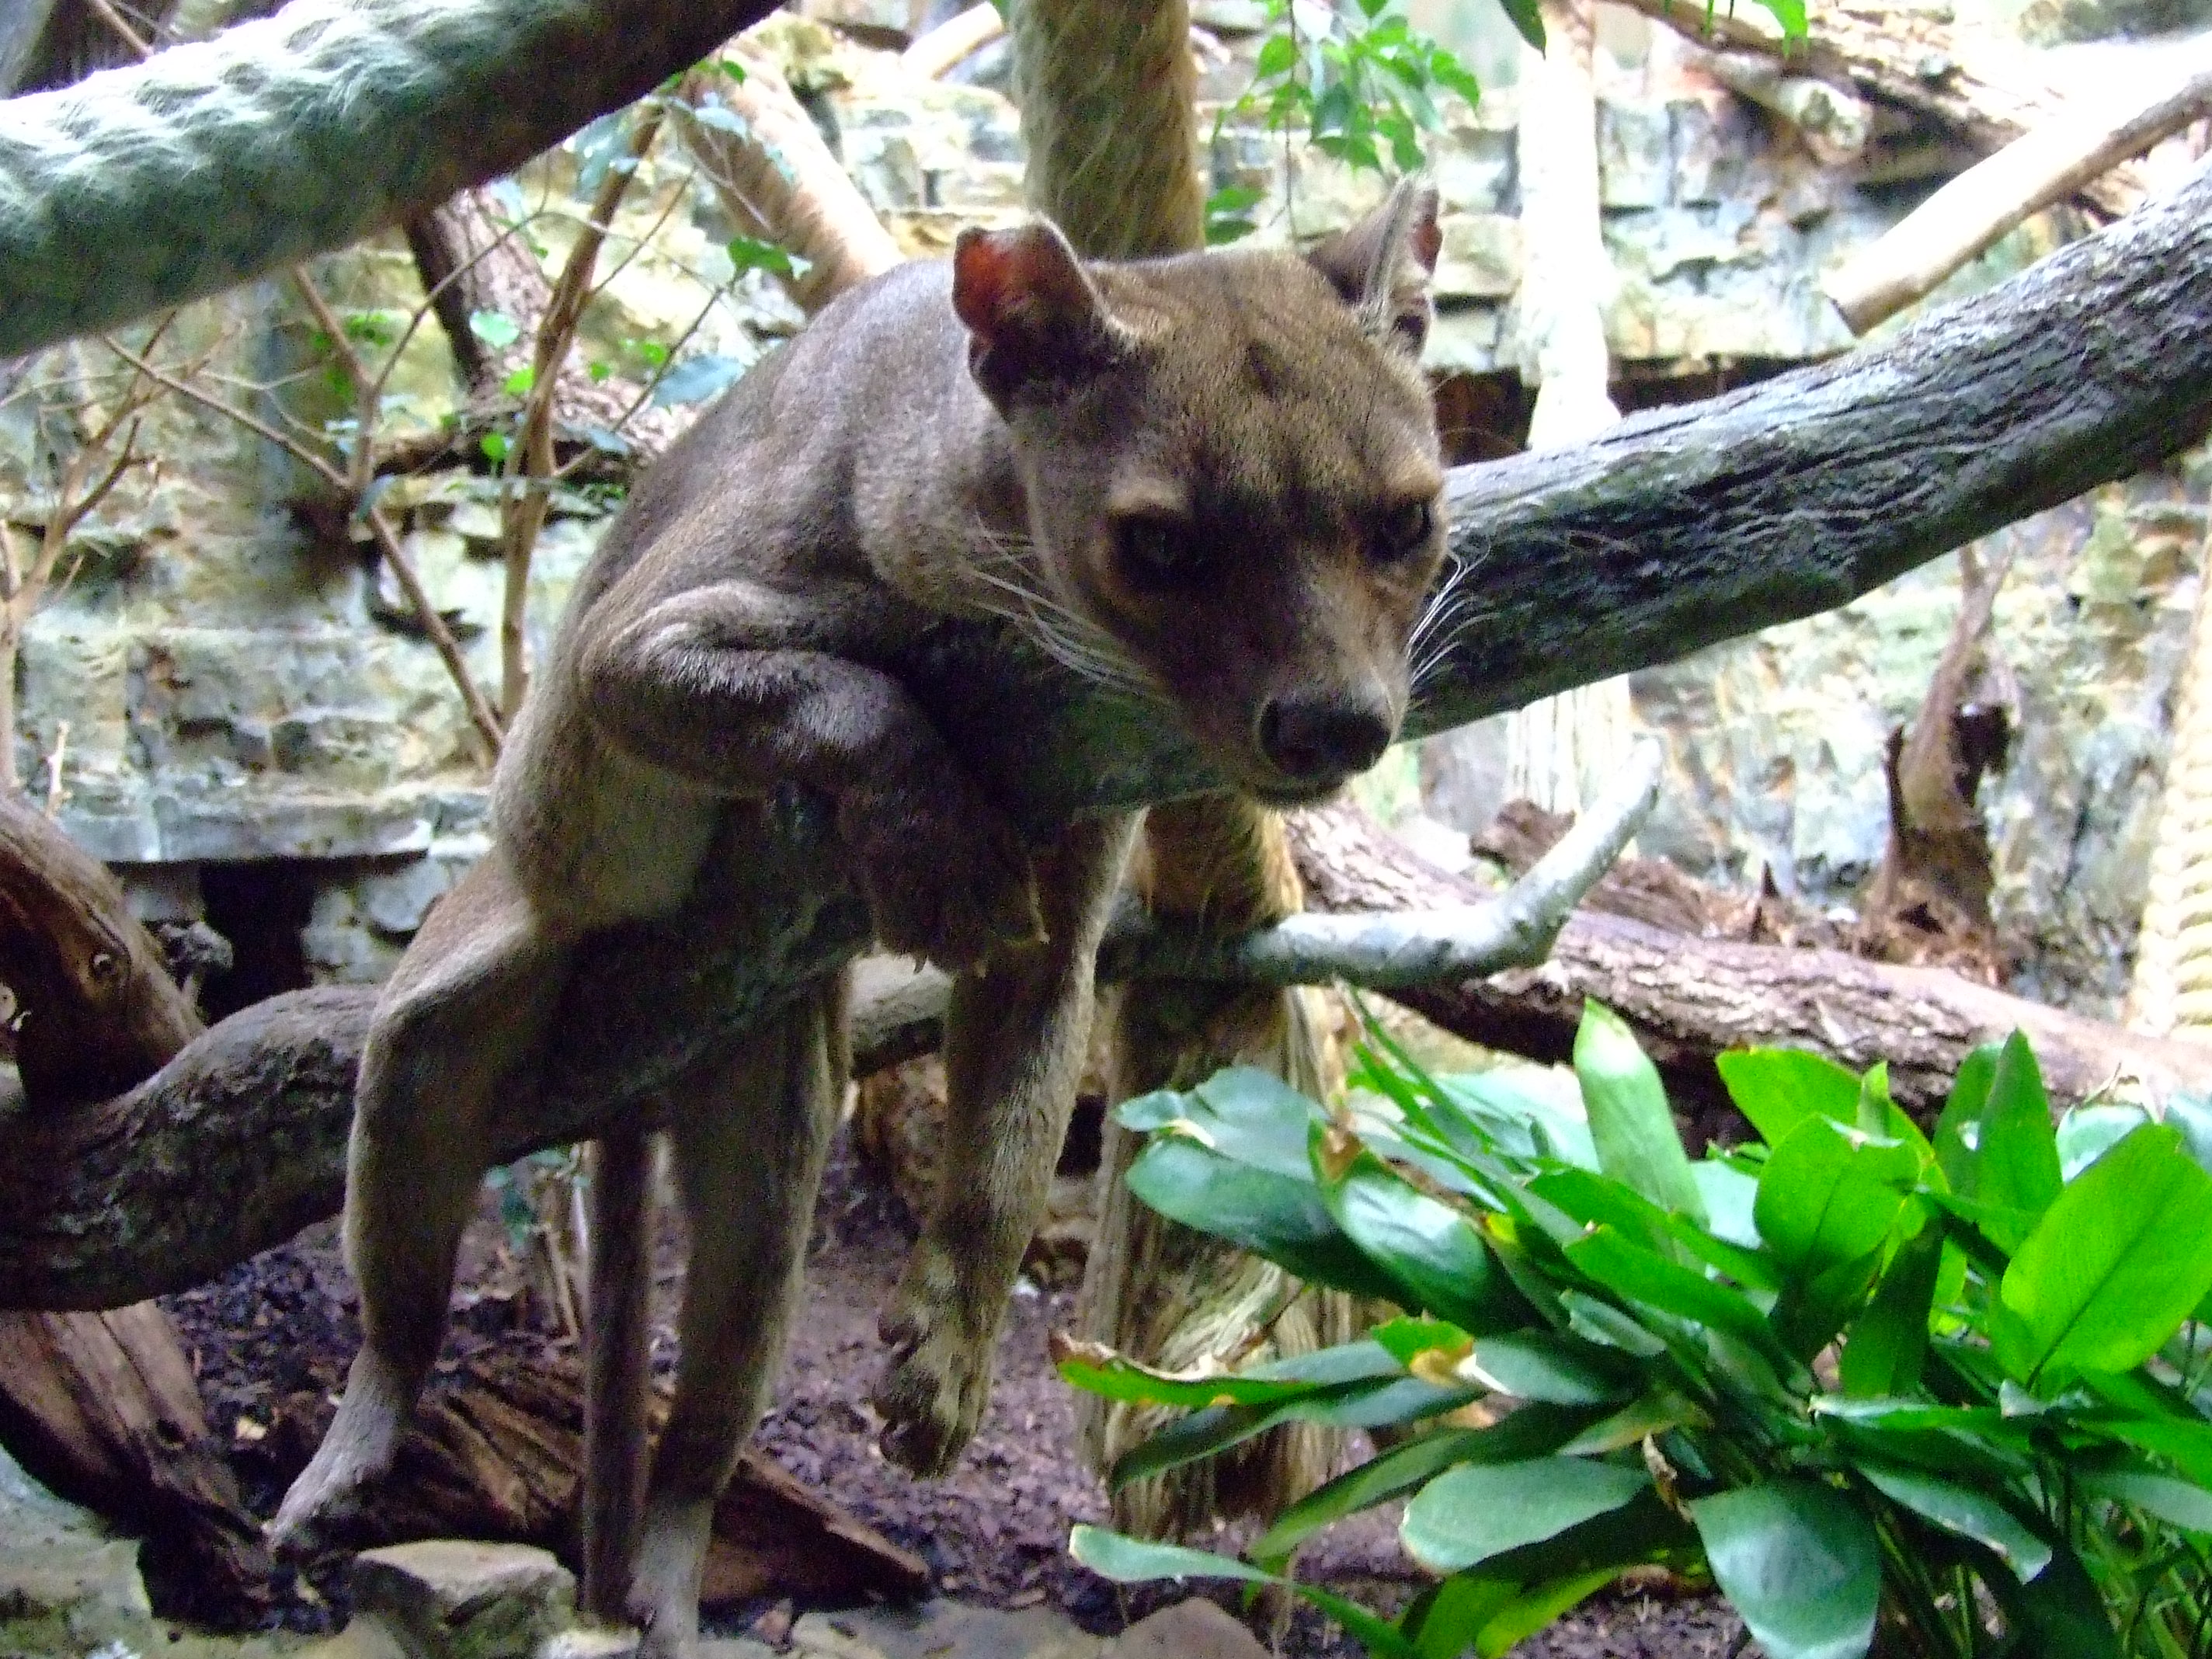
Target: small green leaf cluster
(1359, 81)
(1941, 1394)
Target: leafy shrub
(1889, 1392)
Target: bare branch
(1389, 952)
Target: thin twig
(380, 527)
(531, 460)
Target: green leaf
(495, 328)
(1778, 1089)
(496, 446)
(1454, 76)
(1800, 1562)
(1528, 17)
(751, 254)
(1406, 1340)
(1960, 1510)
(1248, 1116)
(2122, 1257)
(1731, 1196)
(1540, 1365)
(1118, 1377)
(1532, 1431)
(1600, 1322)
(1829, 1195)
(1653, 1413)
(1391, 1402)
(1132, 1561)
(1534, 1609)
(1791, 14)
(517, 384)
(1279, 55)
(1629, 1121)
(1448, 1621)
(1654, 1282)
(2179, 1503)
(1959, 1126)
(2086, 1134)
(1469, 1514)
(1129, 1561)
(1887, 1344)
(1431, 1251)
(2063, 1614)
(1268, 1214)
(2016, 1160)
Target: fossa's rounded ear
(1034, 316)
(1382, 265)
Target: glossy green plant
(1891, 1392)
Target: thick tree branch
(216, 161)
(1677, 529)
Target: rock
(1195, 1629)
(590, 1641)
(449, 1599)
(941, 1630)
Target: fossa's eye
(1404, 530)
(1158, 554)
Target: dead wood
(1928, 902)
(2034, 171)
(1689, 999)
(497, 1452)
(1655, 891)
(1911, 57)
(102, 1408)
(98, 1009)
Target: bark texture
(1910, 56)
(497, 1452)
(1676, 529)
(1688, 999)
(220, 161)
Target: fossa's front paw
(939, 1380)
(950, 880)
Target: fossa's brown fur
(1213, 478)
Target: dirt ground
(994, 1531)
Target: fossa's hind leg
(458, 1023)
(750, 1136)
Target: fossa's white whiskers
(1013, 592)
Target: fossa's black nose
(1324, 737)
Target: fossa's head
(1233, 475)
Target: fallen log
(101, 1408)
(1689, 999)
(495, 1452)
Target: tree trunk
(102, 1406)
(1928, 902)
(1108, 92)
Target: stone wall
(229, 678)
